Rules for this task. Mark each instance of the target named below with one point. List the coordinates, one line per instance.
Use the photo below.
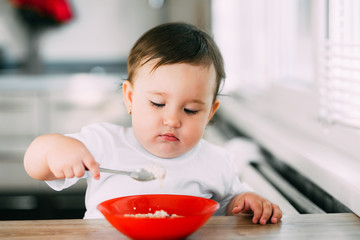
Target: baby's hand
(67, 158)
(262, 209)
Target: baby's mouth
(169, 137)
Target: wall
(101, 31)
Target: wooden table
(310, 226)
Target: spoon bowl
(142, 174)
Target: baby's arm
(262, 209)
(55, 156)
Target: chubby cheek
(144, 122)
(142, 131)
(193, 132)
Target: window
(240, 31)
(290, 58)
(340, 64)
(263, 41)
(302, 60)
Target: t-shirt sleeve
(233, 187)
(61, 184)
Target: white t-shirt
(205, 171)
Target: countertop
(306, 226)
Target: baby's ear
(127, 88)
(213, 109)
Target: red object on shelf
(194, 212)
(58, 11)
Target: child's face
(171, 106)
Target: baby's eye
(188, 111)
(158, 105)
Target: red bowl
(194, 212)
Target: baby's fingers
(58, 174)
(257, 209)
(266, 213)
(91, 165)
(277, 214)
(239, 208)
(79, 170)
(68, 173)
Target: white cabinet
(19, 113)
(34, 105)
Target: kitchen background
(290, 110)
(58, 78)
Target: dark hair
(171, 43)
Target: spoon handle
(114, 171)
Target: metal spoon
(140, 174)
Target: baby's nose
(172, 120)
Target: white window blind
(340, 64)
